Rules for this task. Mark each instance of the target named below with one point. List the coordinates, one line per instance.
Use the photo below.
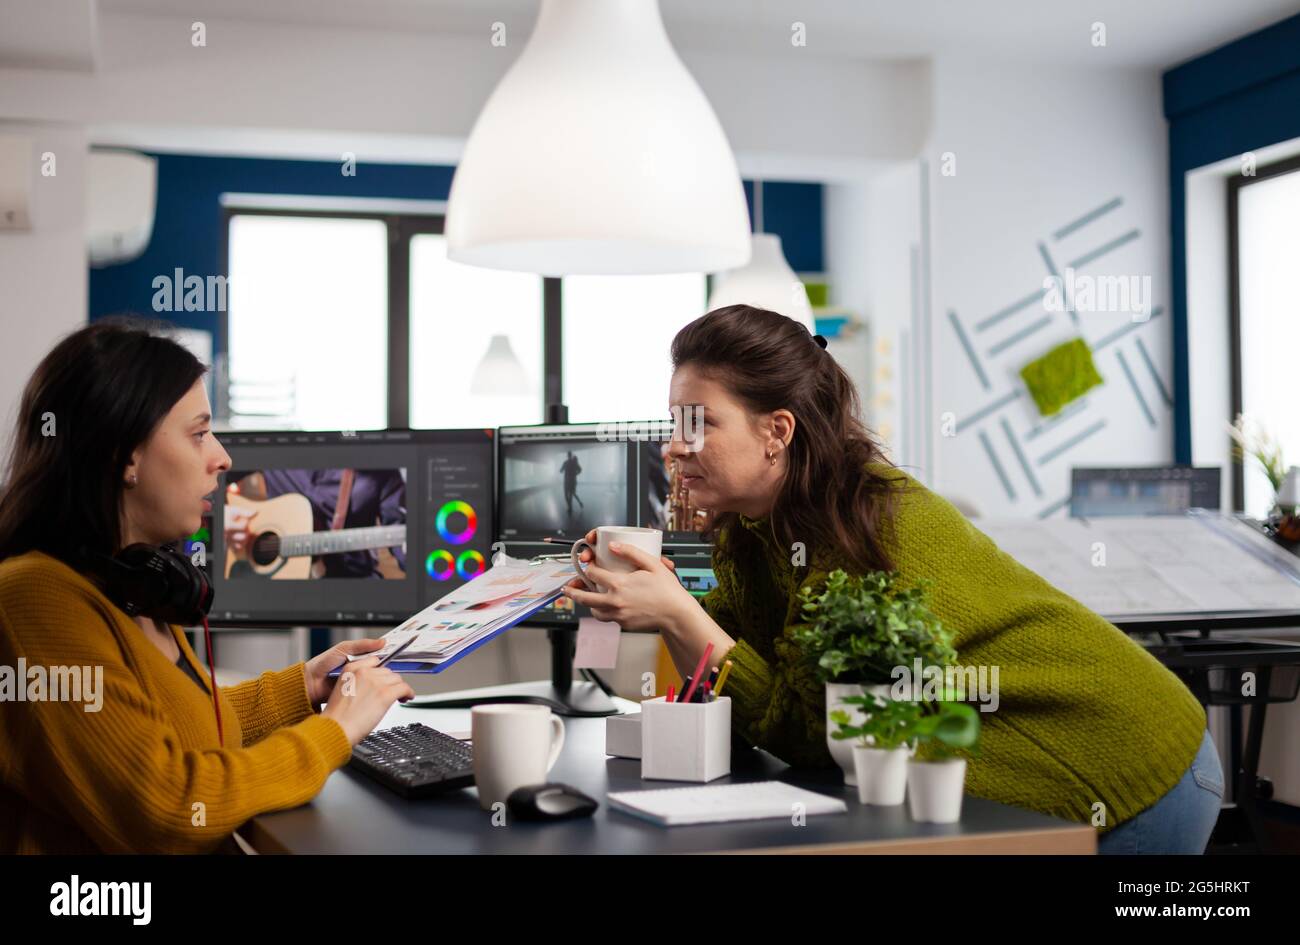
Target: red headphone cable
(212, 671)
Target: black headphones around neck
(155, 581)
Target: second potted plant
(857, 630)
(936, 781)
(884, 745)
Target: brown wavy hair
(828, 499)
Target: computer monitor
(418, 522)
(562, 480)
(1142, 490)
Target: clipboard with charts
(471, 615)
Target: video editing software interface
(424, 509)
(416, 523)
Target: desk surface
(353, 814)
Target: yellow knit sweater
(145, 773)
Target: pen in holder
(685, 741)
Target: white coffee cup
(649, 540)
(514, 746)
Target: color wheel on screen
(453, 531)
(470, 564)
(440, 565)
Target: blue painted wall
(1238, 98)
(794, 213)
(188, 226)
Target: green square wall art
(1064, 374)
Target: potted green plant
(1251, 439)
(884, 741)
(857, 629)
(936, 778)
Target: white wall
(42, 270)
(875, 262)
(896, 295)
(356, 82)
(1035, 149)
(1033, 152)
(846, 210)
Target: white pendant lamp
(767, 281)
(598, 153)
(500, 373)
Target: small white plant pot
(842, 749)
(881, 774)
(935, 788)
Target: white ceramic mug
(514, 746)
(649, 540)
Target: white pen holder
(685, 741)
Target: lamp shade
(500, 372)
(767, 282)
(598, 154)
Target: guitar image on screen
(281, 541)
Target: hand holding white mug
(640, 595)
(594, 547)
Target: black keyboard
(415, 760)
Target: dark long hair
(828, 500)
(91, 402)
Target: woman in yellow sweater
(109, 741)
(1088, 726)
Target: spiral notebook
(719, 803)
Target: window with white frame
(476, 342)
(1268, 245)
(312, 296)
(307, 322)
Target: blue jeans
(1182, 820)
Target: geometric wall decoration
(1069, 417)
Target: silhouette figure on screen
(571, 467)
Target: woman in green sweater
(1089, 726)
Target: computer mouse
(549, 802)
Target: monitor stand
(561, 693)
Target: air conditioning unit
(121, 195)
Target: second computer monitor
(561, 481)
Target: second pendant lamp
(767, 281)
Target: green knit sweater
(1085, 714)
